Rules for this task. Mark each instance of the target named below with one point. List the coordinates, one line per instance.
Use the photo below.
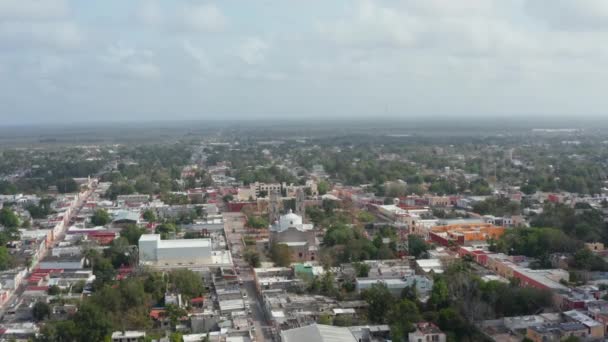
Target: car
(245, 294)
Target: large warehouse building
(180, 253)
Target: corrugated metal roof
(318, 332)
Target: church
(289, 229)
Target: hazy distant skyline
(115, 60)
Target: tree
(40, 311)
(338, 234)
(416, 246)
(410, 292)
(343, 321)
(362, 269)
(8, 218)
(54, 290)
(58, 331)
(280, 255)
(228, 198)
(322, 187)
(176, 337)
(252, 257)
(166, 230)
(93, 323)
(143, 185)
(100, 217)
(155, 284)
(401, 317)
(379, 299)
(585, 259)
(257, 222)
(325, 319)
(501, 206)
(132, 233)
(149, 215)
(175, 313)
(66, 185)
(192, 235)
(327, 286)
(104, 271)
(186, 282)
(451, 320)
(365, 217)
(439, 294)
(119, 253)
(6, 260)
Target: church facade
(299, 237)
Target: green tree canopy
(41, 311)
(100, 217)
(8, 218)
(188, 283)
(280, 254)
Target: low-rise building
(595, 329)
(465, 234)
(426, 332)
(556, 332)
(318, 332)
(128, 336)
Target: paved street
(234, 225)
(16, 296)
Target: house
(128, 336)
(556, 332)
(595, 329)
(426, 332)
(123, 218)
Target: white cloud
(53, 34)
(150, 13)
(252, 50)
(187, 16)
(129, 61)
(418, 56)
(33, 9)
(145, 70)
(571, 14)
(52, 64)
(200, 56)
(202, 17)
(38, 24)
(373, 25)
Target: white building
(318, 332)
(156, 252)
(128, 336)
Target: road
(16, 296)
(234, 227)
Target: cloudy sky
(112, 60)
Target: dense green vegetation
(100, 217)
(458, 297)
(497, 206)
(121, 306)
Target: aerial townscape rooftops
(368, 171)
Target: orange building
(466, 233)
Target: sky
(116, 60)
